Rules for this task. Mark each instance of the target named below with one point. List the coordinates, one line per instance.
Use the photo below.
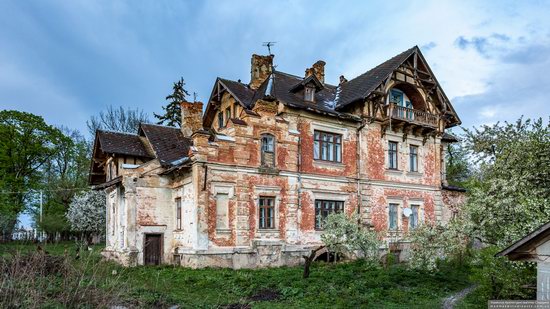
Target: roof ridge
(384, 62)
(117, 132)
(158, 125)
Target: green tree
(63, 176)
(511, 192)
(458, 167)
(27, 143)
(172, 111)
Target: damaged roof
(329, 99)
(168, 143)
(122, 144)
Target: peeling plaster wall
(231, 166)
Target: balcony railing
(411, 115)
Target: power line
(43, 190)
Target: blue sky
(66, 60)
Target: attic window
(268, 150)
(309, 94)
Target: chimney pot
(342, 79)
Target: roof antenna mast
(269, 44)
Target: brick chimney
(318, 69)
(191, 117)
(260, 69)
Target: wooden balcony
(403, 115)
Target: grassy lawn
(343, 285)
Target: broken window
(309, 94)
(392, 155)
(222, 211)
(268, 150)
(327, 146)
(413, 158)
(325, 207)
(392, 216)
(267, 213)
(178, 213)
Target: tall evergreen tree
(172, 111)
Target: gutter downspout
(358, 168)
(299, 167)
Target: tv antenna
(269, 44)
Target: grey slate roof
(361, 86)
(330, 99)
(122, 144)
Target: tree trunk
(309, 260)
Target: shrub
(500, 278)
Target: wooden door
(152, 253)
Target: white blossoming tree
(343, 235)
(86, 214)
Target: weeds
(38, 279)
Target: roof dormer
(309, 85)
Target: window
(178, 213)
(227, 114)
(309, 94)
(396, 97)
(268, 150)
(323, 208)
(413, 219)
(392, 216)
(392, 155)
(267, 213)
(220, 120)
(413, 158)
(327, 146)
(222, 211)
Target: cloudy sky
(66, 60)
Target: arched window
(268, 150)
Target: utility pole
(41, 229)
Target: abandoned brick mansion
(249, 182)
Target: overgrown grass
(354, 284)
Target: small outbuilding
(535, 247)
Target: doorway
(152, 253)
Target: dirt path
(449, 302)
